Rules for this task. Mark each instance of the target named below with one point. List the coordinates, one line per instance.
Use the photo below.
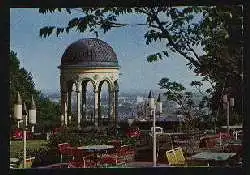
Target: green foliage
(177, 92)
(46, 156)
(154, 57)
(48, 114)
(222, 65)
(63, 137)
(21, 81)
(16, 148)
(80, 139)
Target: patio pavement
(144, 164)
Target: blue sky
(41, 56)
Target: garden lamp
(32, 114)
(153, 107)
(21, 113)
(18, 108)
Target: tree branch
(171, 42)
(192, 50)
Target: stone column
(69, 102)
(96, 106)
(64, 101)
(112, 106)
(64, 109)
(109, 106)
(84, 100)
(99, 107)
(78, 91)
(116, 106)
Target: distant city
(129, 104)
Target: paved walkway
(144, 164)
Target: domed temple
(88, 60)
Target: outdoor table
(212, 156)
(96, 149)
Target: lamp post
(227, 104)
(153, 107)
(32, 114)
(180, 119)
(159, 105)
(20, 113)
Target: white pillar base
(33, 129)
(69, 119)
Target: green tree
(222, 64)
(21, 81)
(191, 111)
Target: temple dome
(89, 52)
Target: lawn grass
(16, 147)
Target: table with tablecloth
(209, 157)
(98, 150)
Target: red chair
(118, 157)
(81, 164)
(79, 154)
(115, 143)
(109, 160)
(224, 136)
(126, 153)
(63, 145)
(234, 148)
(64, 149)
(123, 153)
(208, 142)
(130, 154)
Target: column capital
(96, 89)
(78, 87)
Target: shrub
(46, 156)
(72, 138)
